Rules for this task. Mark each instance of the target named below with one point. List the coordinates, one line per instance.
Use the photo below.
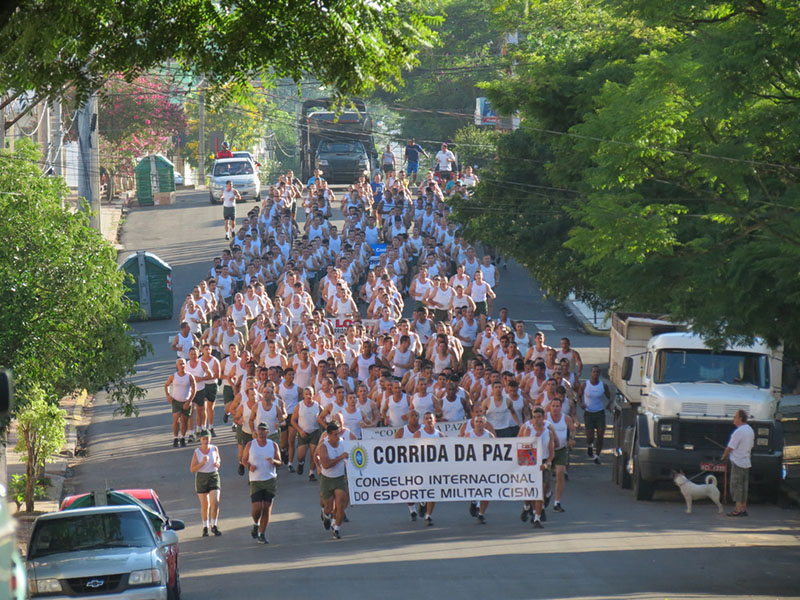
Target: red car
(149, 498)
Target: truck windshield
(87, 532)
(341, 147)
(695, 366)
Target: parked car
(150, 500)
(178, 178)
(241, 172)
(98, 552)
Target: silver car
(241, 172)
(102, 552)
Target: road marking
(545, 326)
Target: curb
(582, 321)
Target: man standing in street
(183, 388)
(411, 159)
(261, 457)
(738, 450)
(593, 396)
(333, 481)
(229, 196)
(445, 159)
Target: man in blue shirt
(411, 159)
(377, 189)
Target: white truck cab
(677, 397)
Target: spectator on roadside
(738, 451)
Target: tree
(65, 313)
(476, 146)
(41, 435)
(674, 128)
(351, 46)
(137, 118)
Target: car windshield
(694, 366)
(234, 167)
(341, 147)
(73, 533)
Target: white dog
(695, 491)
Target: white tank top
(523, 343)
(338, 469)
(352, 421)
(471, 433)
(545, 440)
(265, 469)
(363, 367)
(518, 403)
(290, 396)
(400, 357)
(478, 292)
(453, 411)
(181, 387)
(273, 361)
(594, 396)
(325, 399)
(185, 344)
(302, 375)
(335, 410)
(307, 417)
(468, 332)
(499, 416)
(570, 356)
(421, 289)
(560, 429)
(198, 372)
(443, 298)
(396, 410)
(254, 304)
(268, 416)
(439, 363)
(424, 434)
(227, 340)
(423, 404)
(228, 198)
(246, 412)
(208, 467)
(423, 330)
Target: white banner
(340, 325)
(443, 470)
(450, 429)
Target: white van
(241, 172)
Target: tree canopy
(351, 46)
(657, 167)
(63, 299)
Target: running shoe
(423, 509)
(213, 433)
(589, 451)
(429, 521)
(216, 531)
(547, 499)
(191, 438)
(262, 539)
(336, 534)
(312, 477)
(183, 442)
(543, 517)
(291, 469)
(481, 519)
(205, 531)
(558, 508)
(526, 512)
(597, 460)
(300, 466)
(413, 515)
(241, 469)
(175, 443)
(473, 509)
(326, 521)
(254, 531)
(225, 418)
(537, 524)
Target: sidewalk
(593, 322)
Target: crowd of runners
(298, 334)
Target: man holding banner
(539, 429)
(478, 430)
(332, 480)
(429, 431)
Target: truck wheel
(642, 490)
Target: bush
(19, 483)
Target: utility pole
(89, 160)
(201, 142)
(57, 139)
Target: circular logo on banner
(359, 457)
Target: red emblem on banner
(526, 455)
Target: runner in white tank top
(478, 430)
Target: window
(85, 532)
(237, 167)
(341, 147)
(703, 366)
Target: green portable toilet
(154, 174)
(151, 287)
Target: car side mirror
(627, 368)
(168, 538)
(176, 525)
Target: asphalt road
(605, 546)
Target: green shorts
(561, 456)
(327, 485)
(229, 213)
(177, 407)
(480, 308)
(311, 439)
(594, 420)
(441, 315)
(199, 398)
(263, 491)
(205, 482)
(275, 437)
(227, 394)
(242, 437)
(210, 392)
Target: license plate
(713, 467)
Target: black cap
(332, 426)
(263, 426)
